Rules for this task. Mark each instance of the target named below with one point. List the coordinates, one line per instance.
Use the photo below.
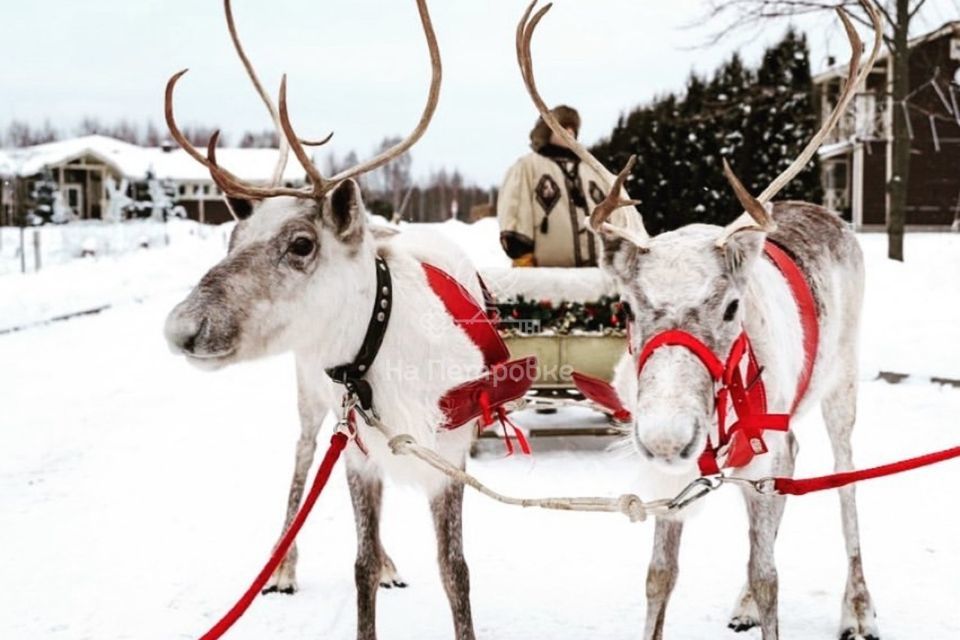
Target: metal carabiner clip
(694, 491)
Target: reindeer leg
(858, 619)
(447, 509)
(366, 493)
(662, 574)
(284, 579)
(745, 613)
(765, 514)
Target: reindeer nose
(182, 331)
(669, 442)
(662, 448)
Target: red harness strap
(737, 446)
(744, 390)
(504, 381)
(806, 307)
(790, 486)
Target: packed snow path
(139, 496)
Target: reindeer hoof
(390, 584)
(288, 590)
(853, 634)
(389, 576)
(740, 624)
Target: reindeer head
(693, 279)
(296, 255)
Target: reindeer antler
(613, 201)
(398, 149)
(756, 215)
(267, 101)
(234, 186)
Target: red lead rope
(789, 486)
(337, 443)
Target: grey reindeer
(713, 283)
(300, 276)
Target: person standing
(546, 200)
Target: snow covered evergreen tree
(43, 194)
(758, 119)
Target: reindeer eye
(731, 311)
(301, 246)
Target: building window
(866, 115)
(836, 185)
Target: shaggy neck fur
(424, 354)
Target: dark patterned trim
(547, 193)
(596, 193)
(515, 244)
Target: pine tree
(757, 119)
(42, 195)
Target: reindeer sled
(572, 321)
(305, 273)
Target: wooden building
(91, 168)
(856, 160)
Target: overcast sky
(360, 67)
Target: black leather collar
(352, 375)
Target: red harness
(737, 385)
(503, 381)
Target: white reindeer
(300, 276)
(713, 284)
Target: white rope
(628, 504)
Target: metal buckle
(348, 404)
(763, 486)
(371, 417)
(766, 486)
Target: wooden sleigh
(532, 302)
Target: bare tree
(199, 135)
(392, 180)
(126, 131)
(153, 137)
(898, 15)
(266, 139)
(90, 126)
(21, 134)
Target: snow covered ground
(139, 496)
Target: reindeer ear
(743, 248)
(241, 207)
(620, 257)
(345, 211)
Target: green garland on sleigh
(527, 317)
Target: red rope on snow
(337, 443)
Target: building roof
(828, 151)
(134, 162)
(951, 28)
(6, 164)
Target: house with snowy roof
(89, 169)
(857, 159)
(6, 187)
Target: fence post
(23, 251)
(36, 249)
